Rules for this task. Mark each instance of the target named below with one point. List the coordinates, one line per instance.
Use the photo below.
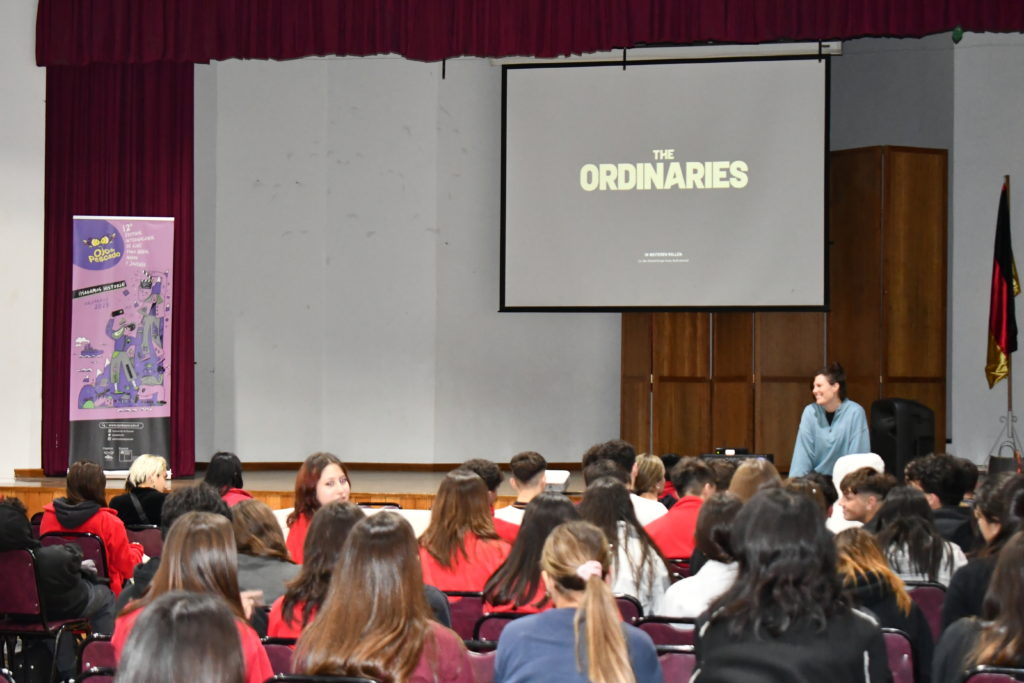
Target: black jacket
(151, 500)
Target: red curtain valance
(81, 32)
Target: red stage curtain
(118, 143)
(78, 32)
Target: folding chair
(483, 666)
(467, 608)
(489, 626)
(24, 608)
(629, 607)
(929, 596)
(91, 545)
(96, 651)
(36, 522)
(6, 675)
(279, 652)
(387, 506)
(668, 630)
(993, 674)
(679, 565)
(677, 662)
(98, 674)
(900, 653)
(297, 678)
(149, 535)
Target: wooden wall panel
(780, 405)
(733, 350)
(682, 416)
(634, 393)
(789, 345)
(732, 415)
(681, 340)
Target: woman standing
(831, 427)
(322, 479)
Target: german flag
(1002, 315)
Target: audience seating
(490, 626)
(668, 630)
(483, 666)
(91, 545)
(388, 506)
(96, 651)
(6, 675)
(467, 608)
(929, 596)
(98, 674)
(37, 522)
(993, 674)
(23, 609)
(901, 655)
(629, 607)
(279, 651)
(679, 565)
(299, 678)
(677, 662)
(149, 536)
(480, 645)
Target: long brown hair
(257, 531)
(199, 556)
(306, 503)
(569, 547)
(1001, 641)
(376, 616)
(87, 482)
(859, 557)
(461, 505)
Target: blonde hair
(570, 546)
(858, 555)
(753, 475)
(144, 467)
(650, 472)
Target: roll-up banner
(121, 301)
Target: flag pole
(1010, 418)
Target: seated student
(263, 562)
(911, 544)
(516, 585)
(583, 639)
(874, 586)
(690, 597)
(639, 569)
(623, 455)
(491, 474)
(84, 509)
(198, 498)
(808, 488)
(649, 482)
(943, 482)
(786, 618)
(998, 638)
(331, 525)
(751, 476)
(460, 548)
(200, 556)
(723, 469)
(669, 495)
(864, 491)
(184, 636)
(673, 532)
(147, 479)
(224, 473)
(824, 483)
(67, 591)
(375, 618)
(321, 479)
(528, 480)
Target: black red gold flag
(1002, 315)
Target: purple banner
(121, 325)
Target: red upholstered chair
(279, 652)
(149, 536)
(901, 655)
(96, 651)
(489, 626)
(6, 675)
(467, 607)
(300, 678)
(37, 521)
(929, 597)
(677, 662)
(679, 565)
(483, 666)
(993, 674)
(91, 545)
(629, 607)
(97, 674)
(668, 630)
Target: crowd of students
(776, 595)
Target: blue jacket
(819, 444)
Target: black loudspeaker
(901, 430)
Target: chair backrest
(483, 666)
(279, 652)
(490, 626)
(18, 568)
(305, 678)
(6, 675)
(91, 545)
(929, 597)
(96, 651)
(901, 655)
(97, 674)
(467, 607)
(668, 630)
(629, 607)
(679, 565)
(677, 664)
(149, 535)
(36, 522)
(386, 506)
(993, 674)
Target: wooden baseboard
(29, 473)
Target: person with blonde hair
(650, 477)
(146, 484)
(751, 476)
(583, 638)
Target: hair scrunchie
(588, 569)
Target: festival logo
(98, 245)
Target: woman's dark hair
(835, 374)
(1001, 500)
(87, 482)
(517, 580)
(1001, 641)
(605, 503)
(713, 534)
(183, 636)
(906, 525)
(306, 503)
(787, 567)
(224, 472)
(257, 531)
(327, 534)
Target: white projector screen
(665, 185)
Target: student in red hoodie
(322, 479)
(224, 473)
(84, 509)
(674, 532)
